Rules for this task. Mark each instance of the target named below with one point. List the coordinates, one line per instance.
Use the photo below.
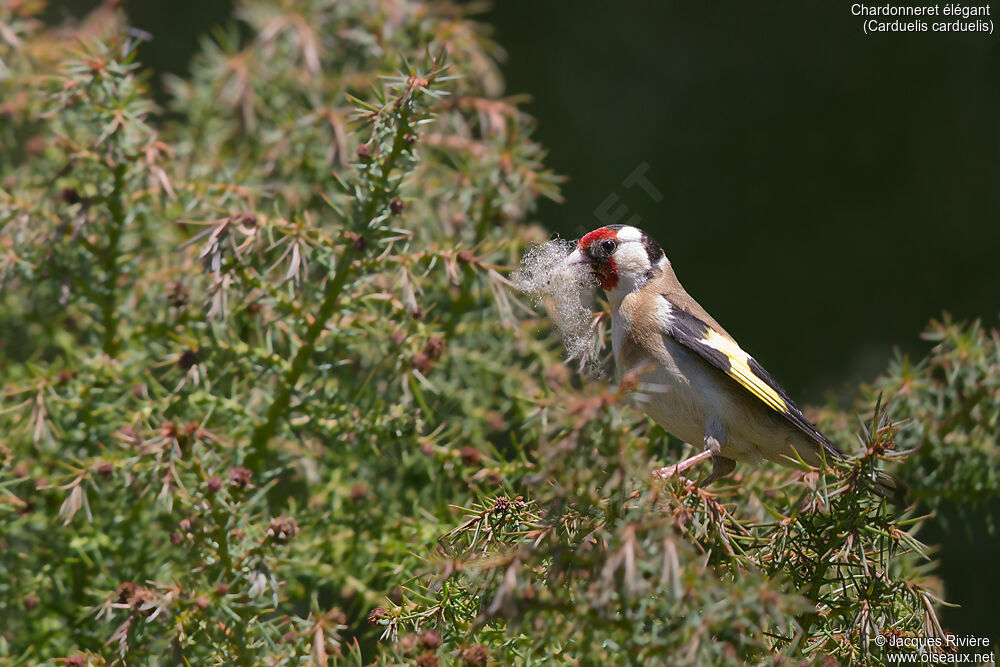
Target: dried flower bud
(360, 243)
(214, 485)
(434, 347)
(290, 637)
(105, 468)
(397, 337)
(364, 152)
(282, 529)
(202, 602)
(377, 614)
(470, 456)
(466, 257)
(358, 492)
(30, 602)
(76, 660)
(475, 655)
(240, 477)
(423, 363)
(187, 359)
(501, 505)
(248, 219)
(427, 660)
(176, 539)
(222, 589)
(70, 196)
(410, 138)
(430, 639)
(396, 206)
(126, 592)
(407, 643)
(184, 526)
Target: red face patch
(606, 274)
(605, 269)
(597, 235)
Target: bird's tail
(890, 487)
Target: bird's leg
(715, 438)
(677, 469)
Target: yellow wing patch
(739, 369)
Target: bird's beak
(575, 257)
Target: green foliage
(951, 403)
(268, 397)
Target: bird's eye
(608, 246)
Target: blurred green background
(824, 193)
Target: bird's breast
(661, 380)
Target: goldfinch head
(620, 257)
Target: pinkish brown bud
(470, 456)
(475, 655)
(427, 660)
(431, 639)
(240, 477)
(358, 492)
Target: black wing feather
(692, 333)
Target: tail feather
(890, 487)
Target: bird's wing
(722, 352)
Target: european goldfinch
(691, 376)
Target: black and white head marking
(639, 257)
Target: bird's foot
(721, 467)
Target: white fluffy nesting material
(565, 291)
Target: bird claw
(670, 472)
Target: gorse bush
(269, 398)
